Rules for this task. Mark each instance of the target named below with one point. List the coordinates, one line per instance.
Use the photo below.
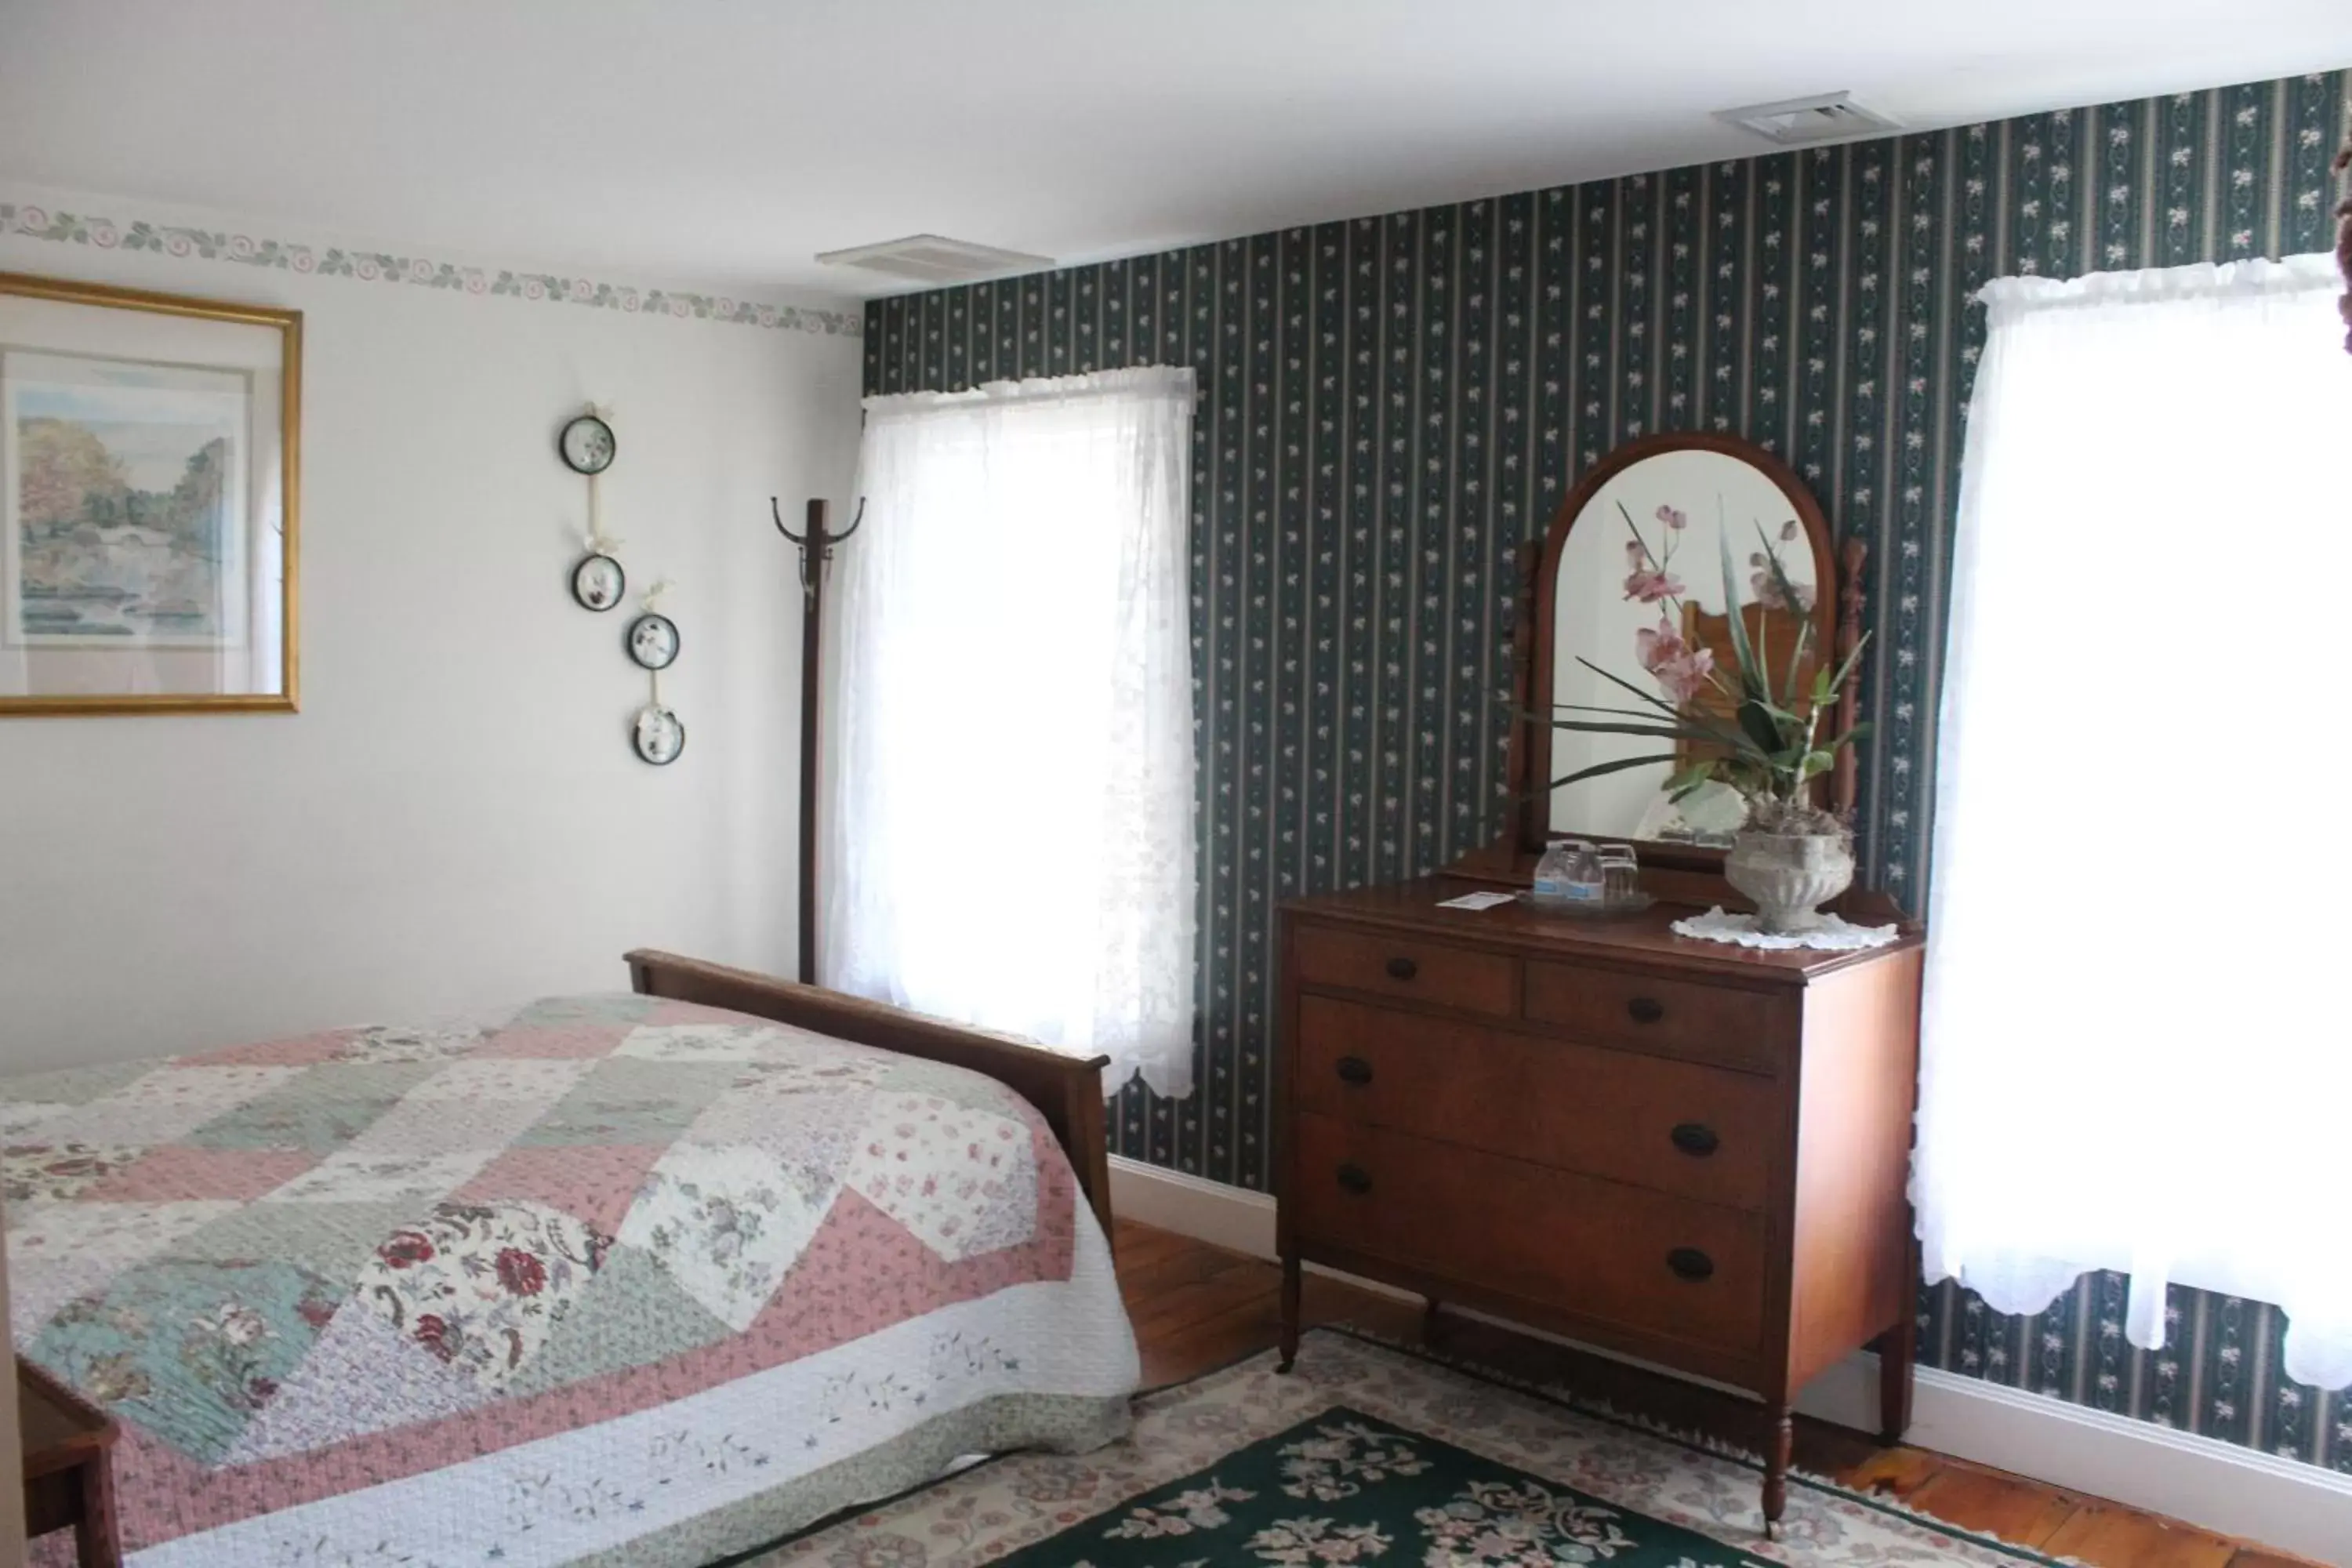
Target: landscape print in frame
(147, 500)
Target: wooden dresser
(1683, 1152)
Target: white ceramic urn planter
(1790, 875)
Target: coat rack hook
(777, 511)
(815, 540)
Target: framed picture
(651, 641)
(658, 735)
(149, 480)
(598, 583)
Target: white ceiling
(728, 141)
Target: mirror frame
(1838, 618)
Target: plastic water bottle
(1588, 880)
(1556, 872)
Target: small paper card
(1477, 901)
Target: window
(1009, 772)
(2134, 1037)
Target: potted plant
(1761, 736)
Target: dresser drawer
(1406, 966)
(1699, 1132)
(1677, 1018)
(1651, 1263)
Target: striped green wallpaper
(1391, 407)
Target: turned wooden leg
(96, 1544)
(1898, 1352)
(1780, 1435)
(1289, 1312)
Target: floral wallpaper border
(36, 222)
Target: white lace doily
(1834, 933)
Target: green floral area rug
(1367, 1455)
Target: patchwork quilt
(606, 1278)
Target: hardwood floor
(1197, 1308)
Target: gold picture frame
(128, 585)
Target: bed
(647, 1278)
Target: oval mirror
(1633, 621)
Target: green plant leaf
(1758, 722)
(1861, 732)
(1716, 734)
(1750, 682)
(1656, 561)
(1653, 700)
(1596, 708)
(1656, 732)
(1619, 766)
(1826, 691)
(1684, 782)
(1797, 660)
(1772, 559)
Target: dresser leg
(1780, 1436)
(1898, 1352)
(96, 1543)
(1289, 1312)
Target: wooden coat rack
(815, 543)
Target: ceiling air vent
(1830, 116)
(934, 259)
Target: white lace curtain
(2135, 1051)
(1008, 830)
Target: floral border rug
(1365, 1454)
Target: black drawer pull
(1691, 1138)
(1355, 1069)
(1646, 1010)
(1355, 1178)
(1690, 1263)
(1402, 968)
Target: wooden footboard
(1067, 1090)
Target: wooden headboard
(1066, 1090)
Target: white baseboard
(1196, 1207)
(2281, 1503)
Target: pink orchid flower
(1678, 668)
(1765, 584)
(1655, 644)
(1649, 587)
(1673, 517)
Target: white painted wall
(455, 817)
